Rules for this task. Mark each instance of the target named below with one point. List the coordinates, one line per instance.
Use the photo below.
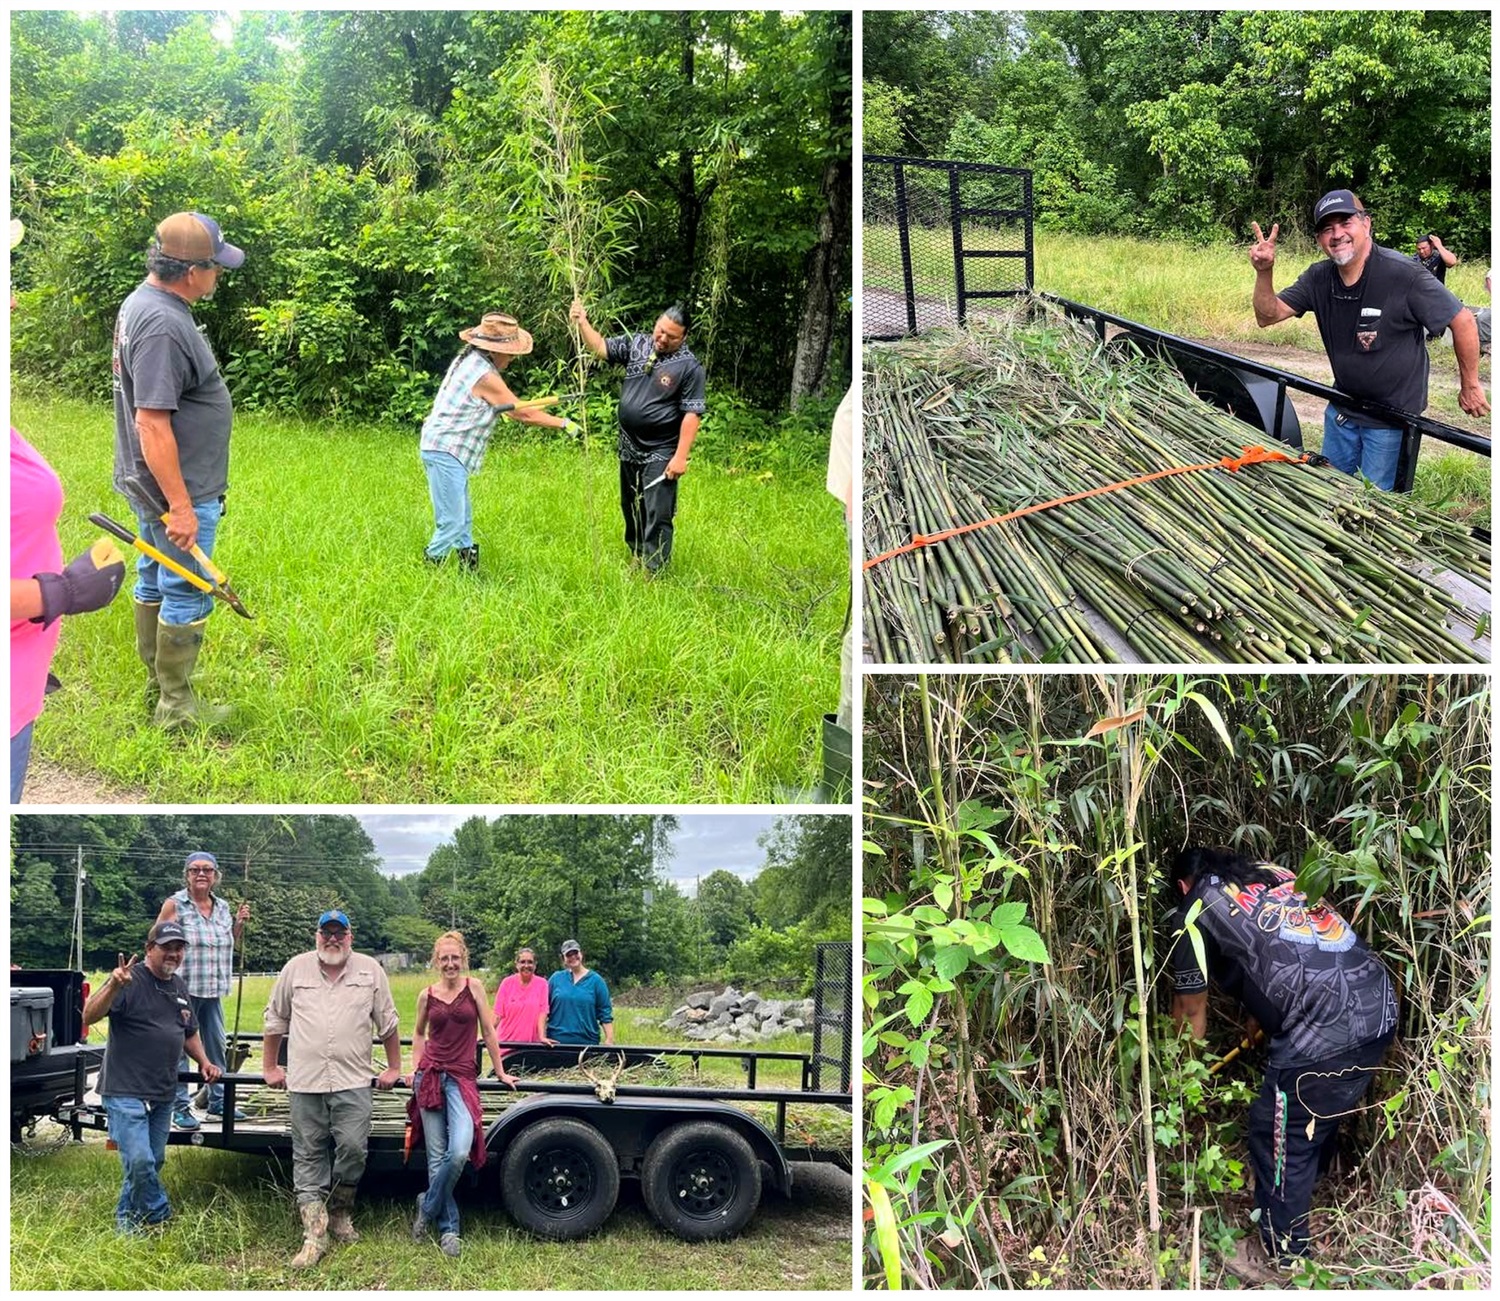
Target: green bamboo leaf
(1215, 719)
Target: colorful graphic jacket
(1301, 971)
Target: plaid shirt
(208, 964)
(459, 423)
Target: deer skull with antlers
(604, 1090)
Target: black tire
(559, 1178)
(701, 1181)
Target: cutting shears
(216, 585)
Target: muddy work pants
(1286, 1159)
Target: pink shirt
(518, 1008)
(36, 500)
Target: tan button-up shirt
(328, 1023)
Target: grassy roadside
(1188, 289)
(557, 674)
(234, 1230)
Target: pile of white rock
(733, 1017)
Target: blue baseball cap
(334, 915)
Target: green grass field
(1187, 289)
(234, 1226)
(557, 674)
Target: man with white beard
(1375, 309)
(328, 1003)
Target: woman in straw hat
(456, 433)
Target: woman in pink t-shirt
(40, 595)
(521, 1002)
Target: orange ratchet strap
(1247, 456)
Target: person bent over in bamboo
(445, 1105)
(150, 1025)
(457, 431)
(661, 406)
(1323, 999)
(327, 1003)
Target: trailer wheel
(559, 1178)
(701, 1180)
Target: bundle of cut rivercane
(1240, 559)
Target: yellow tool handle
(201, 556)
(146, 549)
(551, 400)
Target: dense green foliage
(291, 867)
(1032, 1118)
(381, 171)
(504, 882)
(1197, 123)
(601, 879)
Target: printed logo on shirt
(1369, 311)
(1366, 339)
(665, 380)
(1282, 910)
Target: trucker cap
(192, 237)
(334, 915)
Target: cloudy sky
(703, 843)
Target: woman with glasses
(208, 969)
(451, 1016)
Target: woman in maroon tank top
(451, 1017)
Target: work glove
(89, 583)
(570, 427)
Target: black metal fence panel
(940, 237)
(833, 1016)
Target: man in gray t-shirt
(172, 424)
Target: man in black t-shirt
(661, 406)
(1374, 309)
(150, 1026)
(1321, 996)
(1432, 255)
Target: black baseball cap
(1336, 203)
(167, 933)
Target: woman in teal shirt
(577, 1003)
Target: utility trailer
(51, 1060)
(941, 236)
(559, 1150)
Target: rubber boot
(314, 1235)
(146, 618)
(177, 646)
(468, 556)
(838, 760)
(340, 1203)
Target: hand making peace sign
(121, 975)
(1263, 251)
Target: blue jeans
(209, 1013)
(452, 508)
(1351, 447)
(449, 1134)
(20, 756)
(155, 584)
(139, 1129)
